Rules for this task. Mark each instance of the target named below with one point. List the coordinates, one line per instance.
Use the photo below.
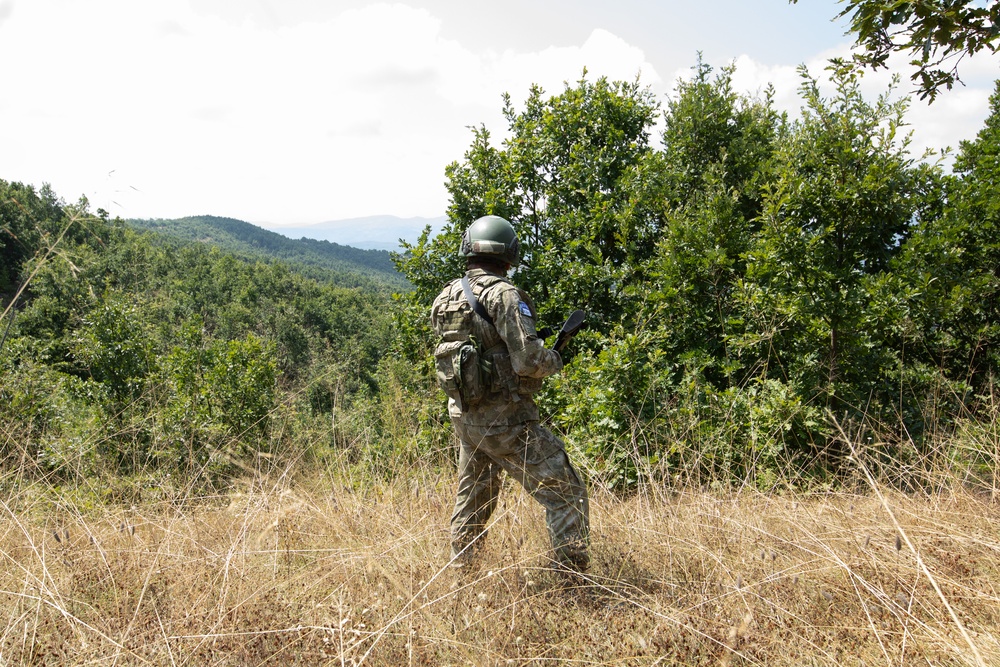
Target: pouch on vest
(504, 378)
(461, 372)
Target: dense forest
(139, 356)
(758, 287)
(341, 264)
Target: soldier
(490, 399)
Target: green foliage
(114, 346)
(633, 420)
(343, 265)
(137, 354)
(714, 137)
(936, 35)
(945, 291)
(26, 218)
(220, 398)
(718, 151)
(45, 420)
(605, 403)
(840, 205)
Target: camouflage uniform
(502, 431)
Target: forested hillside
(342, 263)
(758, 290)
(128, 354)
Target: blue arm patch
(523, 307)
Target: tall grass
(323, 559)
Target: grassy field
(316, 571)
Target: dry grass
(313, 573)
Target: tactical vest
(472, 362)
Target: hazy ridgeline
(785, 403)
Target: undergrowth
(319, 561)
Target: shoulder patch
(523, 307)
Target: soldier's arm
(514, 318)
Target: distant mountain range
(374, 232)
(345, 264)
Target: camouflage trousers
(537, 459)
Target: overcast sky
(303, 111)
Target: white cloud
(154, 109)
(157, 108)
(603, 54)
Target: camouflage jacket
(518, 357)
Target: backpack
(463, 373)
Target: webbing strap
(474, 302)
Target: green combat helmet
(491, 237)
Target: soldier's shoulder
(495, 287)
(446, 291)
